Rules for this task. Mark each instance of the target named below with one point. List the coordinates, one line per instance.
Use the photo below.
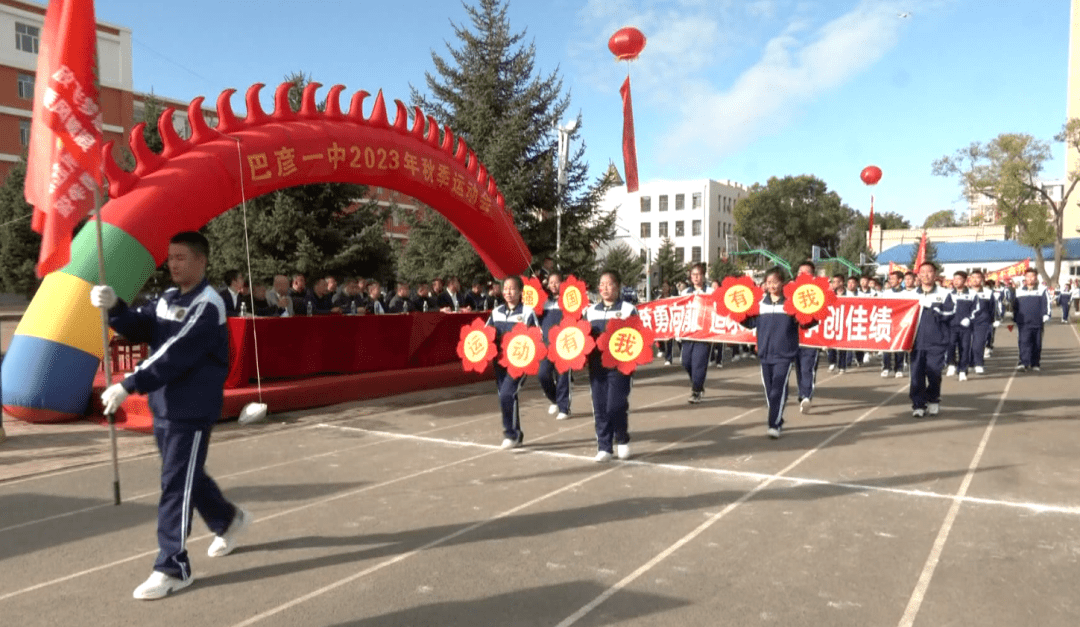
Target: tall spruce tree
(19, 244)
(489, 92)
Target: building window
(663, 229)
(26, 37)
(26, 86)
(695, 227)
(680, 255)
(720, 229)
(679, 230)
(643, 254)
(680, 202)
(696, 200)
(663, 203)
(646, 204)
(646, 229)
(24, 132)
(695, 254)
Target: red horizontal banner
(878, 324)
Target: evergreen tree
(19, 244)
(724, 268)
(626, 261)
(490, 94)
(667, 267)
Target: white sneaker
(899, 374)
(918, 413)
(866, 358)
(1021, 367)
(159, 585)
(885, 374)
(552, 409)
(832, 367)
(562, 416)
(804, 406)
(602, 456)
(933, 408)
(508, 444)
(951, 371)
(667, 363)
(773, 433)
(979, 370)
(622, 451)
(1036, 368)
(963, 376)
(986, 353)
(225, 543)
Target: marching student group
(954, 335)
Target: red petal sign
(625, 343)
(522, 349)
(477, 346)
(808, 298)
(573, 297)
(533, 294)
(570, 343)
(738, 298)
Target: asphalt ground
(402, 511)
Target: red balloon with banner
(533, 294)
(808, 298)
(573, 297)
(738, 298)
(626, 343)
(569, 343)
(477, 346)
(522, 350)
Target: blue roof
(975, 252)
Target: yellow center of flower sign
(569, 343)
(530, 296)
(476, 346)
(520, 351)
(572, 299)
(739, 298)
(626, 344)
(808, 299)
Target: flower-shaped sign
(522, 349)
(477, 346)
(738, 298)
(569, 343)
(808, 298)
(625, 343)
(573, 297)
(533, 294)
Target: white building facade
(698, 216)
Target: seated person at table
(425, 300)
(278, 302)
(351, 299)
(320, 301)
(298, 294)
(494, 296)
(451, 299)
(437, 288)
(233, 293)
(474, 300)
(400, 303)
(374, 303)
(258, 297)
(332, 285)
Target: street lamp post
(564, 154)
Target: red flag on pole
(629, 149)
(63, 169)
(919, 258)
(870, 237)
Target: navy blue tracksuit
(1031, 309)
(695, 355)
(960, 333)
(777, 347)
(610, 388)
(557, 387)
(893, 361)
(184, 377)
(806, 361)
(987, 313)
(931, 343)
(503, 319)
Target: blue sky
(725, 89)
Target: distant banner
(876, 324)
(894, 267)
(1008, 272)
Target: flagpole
(107, 361)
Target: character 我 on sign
(522, 350)
(738, 298)
(625, 343)
(477, 346)
(569, 344)
(808, 298)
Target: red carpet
(282, 396)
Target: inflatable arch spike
(50, 366)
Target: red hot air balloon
(871, 174)
(627, 43)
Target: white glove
(1046, 318)
(966, 322)
(997, 323)
(102, 296)
(112, 397)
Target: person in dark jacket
(1031, 310)
(474, 300)
(320, 301)
(936, 309)
(777, 347)
(806, 359)
(556, 386)
(451, 300)
(960, 332)
(400, 303)
(504, 318)
(233, 292)
(610, 387)
(424, 300)
(695, 354)
(184, 377)
(298, 294)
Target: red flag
(64, 165)
(870, 245)
(919, 258)
(629, 150)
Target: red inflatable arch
(196, 179)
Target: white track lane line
(239, 473)
(644, 568)
(464, 530)
(917, 595)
